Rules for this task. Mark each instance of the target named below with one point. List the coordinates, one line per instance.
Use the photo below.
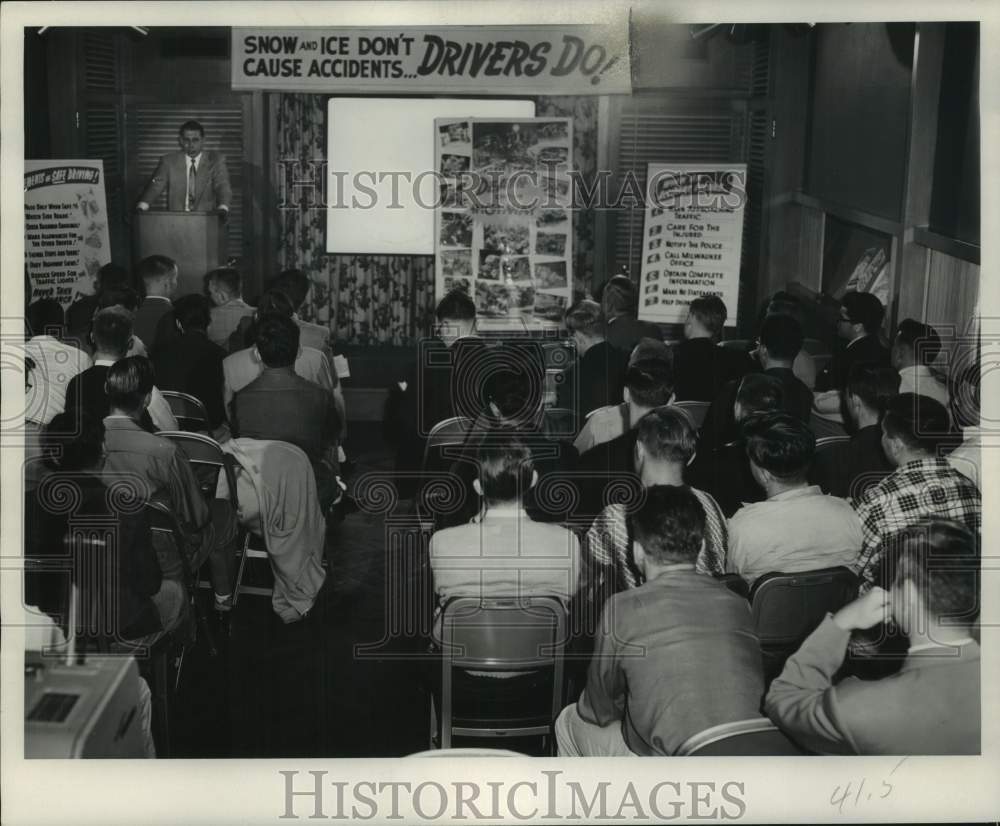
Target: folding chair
(189, 411)
(560, 423)
(757, 737)
(826, 442)
(498, 635)
(446, 433)
(696, 411)
(787, 608)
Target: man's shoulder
(129, 437)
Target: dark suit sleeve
(220, 182)
(157, 183)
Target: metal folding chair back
(696, 411)
(189, 411)
(757, 737)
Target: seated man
(673, 657)
(504, 552)
(55, 362)
(858, 327)
(80, 313)
(784, 303)
(701, 367)
(914, 349)
(297, 286)
(598, 376)
(798, 528)
(209, 528)
(192, 364)
(225, 288)
(618, 302)
(725, 471)
(664, 448)
(847, 468)
(282, 406)
(153, 322)
(932, 705)
(86, 392)
(923, 484)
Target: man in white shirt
(53, 363)
(797, 528)
(914, 349)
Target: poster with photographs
(503, 226)
(692, 238)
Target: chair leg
(242, 566)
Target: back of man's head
(864, 309)
(758, 393)
(129, 383)
(121, 296)
(112, 332)
(781, 336)
(227, 281)
(277, 340)
(515, 394)
(157, 273)
(193, 312)
(45, 317)
(667, 435)
(456, 305)
(920, 423)
(780, 444)
(710, 313)
(112, 275)
(585, 317)
(506, 470)
(650, 383)
(669, 525)
(873, 386)
(650, 348)
(921, 342)
(618, 297)
(74, 440)
(295, 284)
(941, 558)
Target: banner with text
(485, 60)
(65, 227)
(692, 238)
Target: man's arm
(155, 186)
(802, 698)
(603, 699)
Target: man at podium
(196, 179)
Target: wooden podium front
(195, 240)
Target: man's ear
(477, 486)
(639, 555)
(147, 400)
(626, 396)
(534, 479)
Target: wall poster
(503, 224)
(691, 239)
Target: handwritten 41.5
(857, 792)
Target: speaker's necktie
(191, 173)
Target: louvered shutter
(153, 133)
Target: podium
(195, 240)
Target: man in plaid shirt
(923, 484)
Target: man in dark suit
(701, 366)
(285, 407)
(192, 364)
(623, 330)
(858, 326)
(846, 469)
(598, 377)
(154, 318)
(81, 312)
(196, 179)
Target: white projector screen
(368, 138)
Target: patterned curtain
(389, 299)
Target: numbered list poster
(691, 241)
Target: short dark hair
(45, 315)
(230, 279)
(118, 296)
(780, 444)
(112, 329)
(651, 348)
(942, 559)
(650, 382)
(275, 302)
(919, 422)
(514, 393)
(667, 434)
(457, 305)
(193, 312)
(277, 340)
(293, 283)
(191, 125)
(876, 386)
(129, 381)
(760, 393)
(585, 317)
(781, 335)
(618, 295)
(112, 275)
(74, 440)
(864, 309)
(710, 310)
(921, 338)
(669, 524)
(505, 470)
(155, 268)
